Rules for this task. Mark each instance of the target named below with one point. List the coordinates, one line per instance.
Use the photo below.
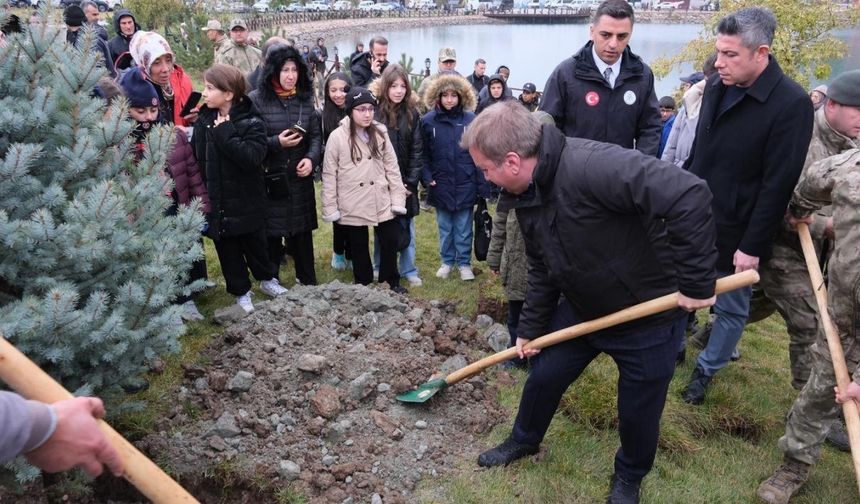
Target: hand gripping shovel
(843, 379)
(660, 304)
(27, 379)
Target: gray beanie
(845, 89)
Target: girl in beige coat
(362, 187)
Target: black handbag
(404, 236)
(483, 230)
(277, 184)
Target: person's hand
(744, 262)
(304, 168)
(432, 183)
(408, 192)
(190, 118)
(77, 441)
(221, 119)
(376, 66)
(289, 138)
(828, 229)
(794, 221)
(692, 304)
(852, 391)
(525, 352)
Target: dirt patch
(302, 392)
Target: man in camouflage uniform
(784, 278)
(834, 181)
(238, 52)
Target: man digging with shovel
(584, 208)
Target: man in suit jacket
(751, 141)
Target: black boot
(837, 437)
(695, 391)
(623, 492)
(506, 453)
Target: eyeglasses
(365, 110)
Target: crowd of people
(598, 182)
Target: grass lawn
(718, 452)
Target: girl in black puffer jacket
(230, 143)
(294, 139)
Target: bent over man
(583, 207)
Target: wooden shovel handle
(843, 378)
(26, 378)
(657, 305)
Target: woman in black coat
(285, 99)
(229, 143)
(398, 111)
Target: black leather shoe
(623, 492)
(399, 289)
(695, 391)
(506, 453)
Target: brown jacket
(365, 192)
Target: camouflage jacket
(245, 57)
(507, 254)
(836, 181)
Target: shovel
(843, 379)
(27, 379)
(657, 305)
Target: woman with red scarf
(285, 100)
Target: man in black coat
(751, 141)
(369, 66)
(125, 26)
(605, 92)
(583, 208)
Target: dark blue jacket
(458, 180)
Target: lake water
(533, 51)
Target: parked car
(381, 7)
(667, 5)
(261, 6)
(295, 7)
(366, 5)
(341, 5)
(317, 6)
(24, 3)
(396, 7)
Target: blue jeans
(406, 263)
(732, 310)
(455, 236)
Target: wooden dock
(542, 16)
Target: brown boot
(785, 482)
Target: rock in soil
(306, 395)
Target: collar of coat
(631, 65)
(762, 87)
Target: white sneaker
(375, 275)
(245, 302)
(190, 311)
(414, 281)
(272, 288)
(466, 273)
(443, 271)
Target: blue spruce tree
(89, 262)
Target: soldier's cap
(213, 24)
(693, 78)
(447, 54)
(845, 89)
(238, 23)
(528, 87)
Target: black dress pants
(238, 254)
(301, 247)
(339, 241)
(359, 245)
(646, 363)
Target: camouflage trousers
(815, 409)
(785, 281)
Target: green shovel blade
(423, 392)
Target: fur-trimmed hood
(443, 83)
(375, 87)
(275, 59)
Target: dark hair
(617, 9)
(226, 78)
(331, 113)
(480, 61)
(271, 43)
(277, 57)
(389, 111)
(499, 70)
(754, 25)
(708, 67)
(373, 134)
(378, 39)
